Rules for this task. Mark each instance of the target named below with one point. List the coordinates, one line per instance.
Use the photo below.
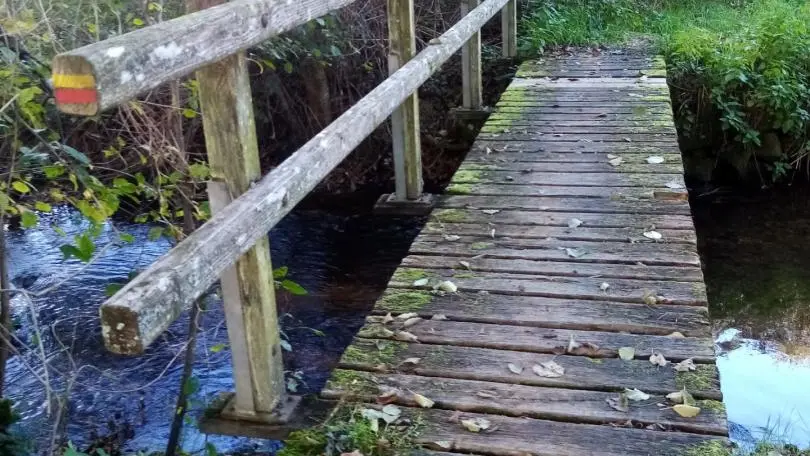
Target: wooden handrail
(99, 76)
(144, 308)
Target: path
(568, 233)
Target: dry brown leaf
(548, 369)
(445, 444)
(412, 361)
(490, 211)
(448, 286)
(627, 353)
(686, 411)
(405, 336)
(514, 368)
(388, 318)
(636, 395)
(439, 317)
(676, 335)
(658, 359)
(411, 321)
(408, 315)
(619, 403)
(420, 282)
(387, 397)
(423, 401)
(686, 365)
(476, 424)
(451, 237)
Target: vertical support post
(471, 85)
(509, 29)
(248, 287)
(405, 120)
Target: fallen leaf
(515, 369)
(628, 140)
(444, 444)
(676, 335)
(407, 316)
(387, 397)
(451, 237)
(655, 159)
(686, 411)
(439, 317)
(373, 417)
(390, 413)
(685, 365)
(411, 321)
(490, 211)
(650, 298)
(423, 401)
(619, 403)
(448, 286)
(572, 344)
(387, 318)
(420, 282)
(574, 223)
(615, 161)
(465, 264)
(405, 336)
(548, 369)
(676, 397)
(576, 253)
(413, 361)
(627, 353)
(476, 424)
(604, 286)
(486, 395)
(492, 233)
(658, 359)
(636, 394)
(654, 235)
(674, 185)
(611, 156)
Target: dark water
(344, 261)
(755, 248)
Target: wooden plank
(615, 193)
(629, 111)
(582, 179)
(471, 82)
(470, 363)
(581, 233)
(146, 306)
(527, 146)
(636, 165)
(633, 103)
(550, 312)
(125, 66)
(507, 217)
(555, 250)
(544, 340)
(522, 133)
(509, 29)
(551, 128)
(481, 155)
(248, 291)
(576, 406)
(561, 204)
(527, 436)
(552, 268)
(405, 130)
(621, 290)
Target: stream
(754, 247)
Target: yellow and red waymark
(75, 88)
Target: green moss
(306, 442)
(701, 379)
(450, 215)
(352, 382)
(459, 189)
(465, 275)
(370, 352)
(481, 245)
(714, 406)
(655, 72)
(409, 275)
(404, 301)
(712, 448)
(467, 176)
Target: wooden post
(471, 64)
(248, 288)
(405, 120)
(509, 29)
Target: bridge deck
(568, 234)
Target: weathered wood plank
(614, 193)
(554, 268)
(471, 82)
(577, 406)
(544, 340)
(480, 155)
(498, 145)
(625, 205)
(147, 305)
(580, 233)
(581, 179)
(555, 250)
(550, 312)
(470, 363)
(519, 436)
(523, 133)
(509, 46)
(641, 222)
(636, 112)
(551, 128)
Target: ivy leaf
(189, 113)
(86, 246)
(42, 206)
(155, 233)
(280, 273)
(112, 289)
(293, 288)
(126, 237)
(20, 186)
(53, 171)
(29, 219)
(199, 171)
(70, 251)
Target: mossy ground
(702, 379)
(717, 448)
(404, 300)
(371, 352)
(450, 215)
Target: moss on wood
(704, 378)
(404, 301)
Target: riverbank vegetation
(738, 69)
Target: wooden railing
(233, 246)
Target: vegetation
(716, 448)
(738, 69)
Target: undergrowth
(738, 69)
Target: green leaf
(155, 233)
(280, 273)
(75, 154)
(53, 171)
(86, 246)
(29, 219)
(210, 449)
(335, 51)
(189, 113)
(191, 386)
(5, 202)
(218, 348)
(42, 206)
(20, 186)
(112, 289)
(293, 288)
(285, 345)
(138, 22)
(126, 237)
(288, 67)
(70, 251)
(59, 231)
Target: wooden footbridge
(550, 305)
